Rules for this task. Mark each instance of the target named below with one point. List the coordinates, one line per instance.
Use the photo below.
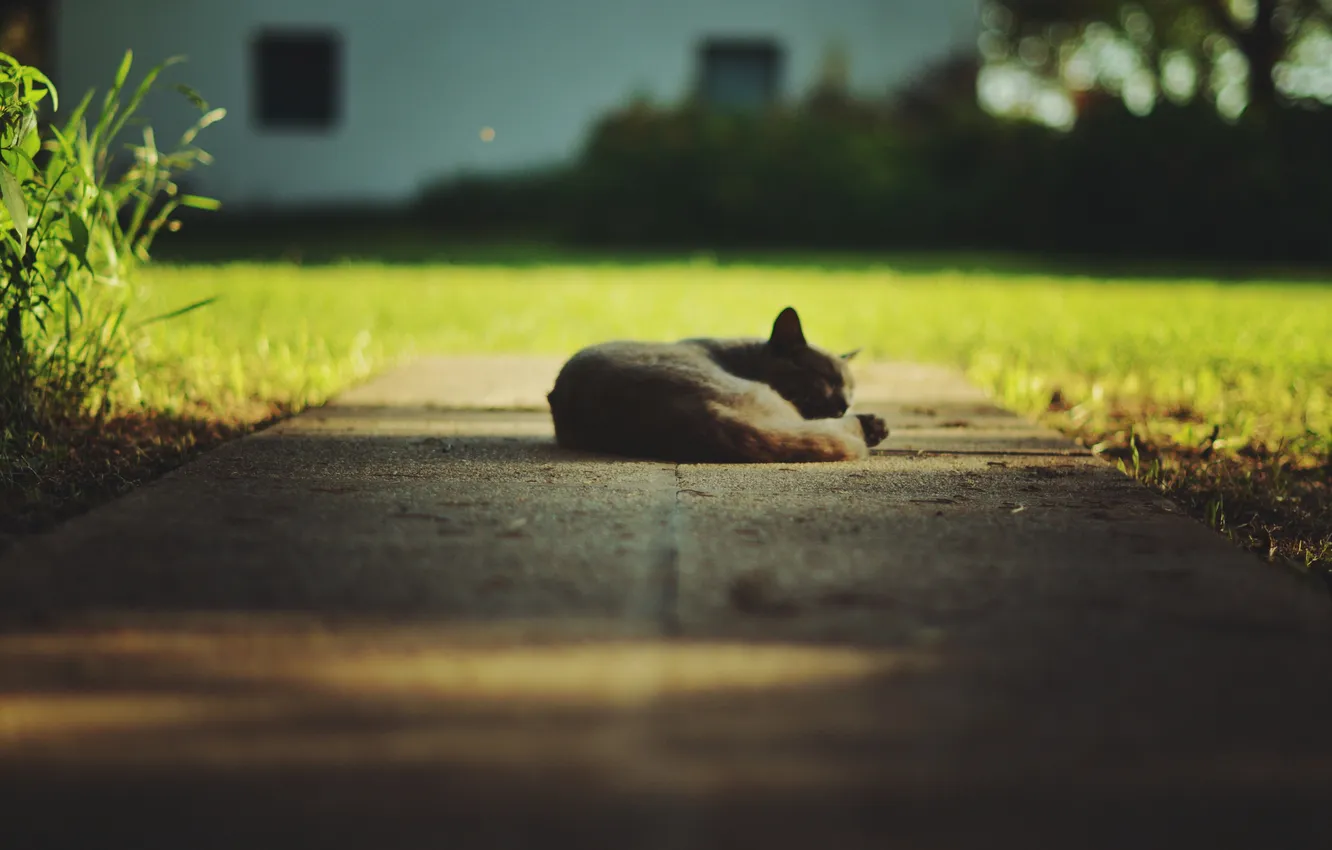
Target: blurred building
(364, 101)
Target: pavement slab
(407, 619)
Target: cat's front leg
(872, 428)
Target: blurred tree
(1241, 49)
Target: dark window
(297, 79)
(740, 74)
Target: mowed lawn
(1218, 393)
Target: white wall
(422, 77)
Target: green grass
(1226, 385)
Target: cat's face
(817, 382)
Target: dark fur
(713, 400)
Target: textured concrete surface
(408, 620)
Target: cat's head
(817, 382)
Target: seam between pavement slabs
(975, 453)
(660, 589)
(668, 566)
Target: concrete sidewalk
(408, 620)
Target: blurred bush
(822, 176)
(527, 201)
(920, 173)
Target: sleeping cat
(713, 400)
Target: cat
(714, 400)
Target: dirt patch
(74, 466)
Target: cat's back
(639, 398)
(627, 362)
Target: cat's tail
(802, 441)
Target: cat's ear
(787, 335)
(850, 354)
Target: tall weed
(81, 211)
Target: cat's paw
(874, 429)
